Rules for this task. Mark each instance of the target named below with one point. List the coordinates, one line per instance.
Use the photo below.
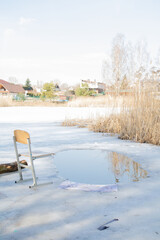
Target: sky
(67, 40)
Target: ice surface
(53, 213)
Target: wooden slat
(37, 156)
(43, 155)
(21, 136)
(24, 155)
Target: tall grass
(101, 101)
(142, 121)
(138, 120)
(108, 124)
(5, 101)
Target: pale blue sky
(68, 39)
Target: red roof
(11, 87)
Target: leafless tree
(13, 80)
(130, 65)
(119, 60)
(107, 71)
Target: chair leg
(41, 184)
(17, 157)
(34, 178)
(32, 165)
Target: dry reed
(81, 123)
(5, 101)
(139, 120)
(110, 124)
(101, 101)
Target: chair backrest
(21, 136)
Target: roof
(11, 87)
(93, 82)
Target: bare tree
(119, 60)
(64, 86)
(13, 80)
(130, 74)
(142, 58)
(107, 71)
(129, 64)
(141, 63)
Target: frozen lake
(50, 114)
(54, 213)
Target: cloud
(26, 21)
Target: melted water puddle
(97, 167)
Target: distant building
(98, 87)
(10, 88)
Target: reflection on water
(97, 167)
(123, 165)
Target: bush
(84, 91)
(20, 97)
(48, 91)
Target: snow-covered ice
(51, 213)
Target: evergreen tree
(27, 85)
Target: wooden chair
(23, 137)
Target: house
(10, 88)
(98, 87)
